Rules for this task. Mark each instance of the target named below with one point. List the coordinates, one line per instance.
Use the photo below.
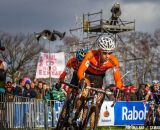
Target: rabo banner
(130, 113)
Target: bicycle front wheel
(92, 116)
(64, 115)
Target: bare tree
(140, 49)
(21, 54)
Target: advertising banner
(106, 114)
(56, 112)
(20, 114)
(130, 113)
(55, 60)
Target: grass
(98, 128)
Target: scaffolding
(94, 25)
(106, 26)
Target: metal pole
(52, 106)
(49, 65)
(45, 115)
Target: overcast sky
(30, 16)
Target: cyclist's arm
(117, 75)
(84, 65)
(67, 68)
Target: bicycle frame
(93, 108)
(67, 108)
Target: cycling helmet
(80, 54)
(106, 44)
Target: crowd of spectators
(144, 92)
(27, 88)
(37, 89)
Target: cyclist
(94, 66)
(73, 63)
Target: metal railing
(27, 113)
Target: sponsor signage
(130, 113)
(106, 114)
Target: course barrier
(21, 112)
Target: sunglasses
(106, 53)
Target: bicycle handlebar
(70, 85)
(88, 87)
(99, 90)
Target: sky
(29, 16)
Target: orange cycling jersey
(92, 64)
(72, 63)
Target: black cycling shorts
(96, 80)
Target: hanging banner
(56, 63)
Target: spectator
(40, 90)
(153, 92)
(45, 88)
(9, 91)
(157, 120)
(35, 83)
(9, 87)
(20, 88)
(142, 91)
(33, 93)
(3, 69)
(26, 92)
(151, 112)
(116, 12)
(133, 96)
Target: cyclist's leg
(80, 102)
(79, 105)
(98, 82)
(96, 111)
